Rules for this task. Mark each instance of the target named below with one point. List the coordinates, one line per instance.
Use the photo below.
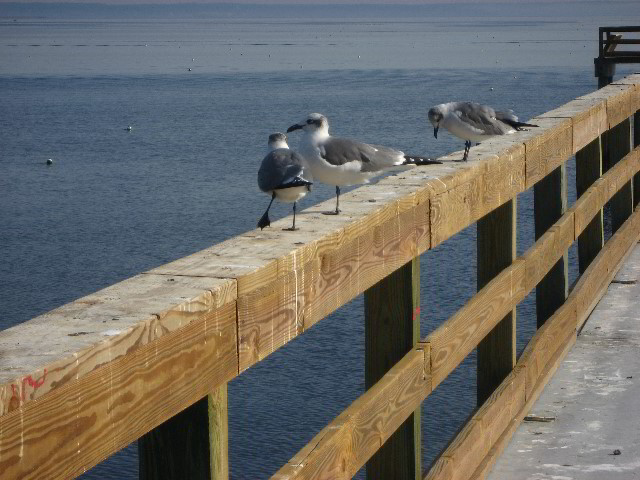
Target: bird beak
(297, 126)
(435, 131)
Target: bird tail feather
(517, 125)
(297, 181)
(418, 160)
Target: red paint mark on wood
(416, 313)
(21, 393)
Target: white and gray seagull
(282, 175)
(473, 122)
(342, 161)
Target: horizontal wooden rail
(624, 53)
(327, 455)
(88, 371)
(343, 447)
(634, 28)
(624, 41)
(476, 448)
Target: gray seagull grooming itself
(342, 161)
(282, 175)
(473, 122)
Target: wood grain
(466, 449)
(501, 406)
(284, 283)
(588, 119)
(636, 143)
(548, 249)
(458, 336)
(498, 447)
(392, 328)
(78, 424)
(595, 281)
(389, 229)
(344, 446)
(534, 368)
(549, 338)
(218, 423)
(476, 448)
(590, 236)
(550, 203)
(498, 180)
(474, 441)
(71, 341)
(547, 147)
(442, 469)
(191, 444)
(621, 99)
(619, 144)
(621, 106)
(496, 250)
(602, 190)
(540, 355)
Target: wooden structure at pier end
(149, 358)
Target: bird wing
(507, 115)
(279, 168)
(294, 176)
(340, 151)
(479, 117)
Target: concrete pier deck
(592, 404)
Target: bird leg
(264, 220)
(467, 147)
(337, 211)
(293, 227)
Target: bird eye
(310, 121)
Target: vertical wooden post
(218, 403)
(588, 170)
(636, 142)
(193, 444)
(605, 70)
(496, 246)
(392, 328)
(619, 144)
(604, 79)
(549, 204)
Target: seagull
(282, 175)
(342, 161)
(473, 122)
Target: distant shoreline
(564, 9)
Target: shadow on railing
(149, 358)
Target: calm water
(116, 203)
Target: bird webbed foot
(332, 212)
(264, 220)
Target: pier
(584, 425)
(149, 358)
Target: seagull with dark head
(282, 175)
(342, 161)
(473, 122)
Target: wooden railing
(149, 358)
(609, 38)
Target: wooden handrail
(633, 28)
(484, 437)
(450, 343)
(181, 330)
(622, 41)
